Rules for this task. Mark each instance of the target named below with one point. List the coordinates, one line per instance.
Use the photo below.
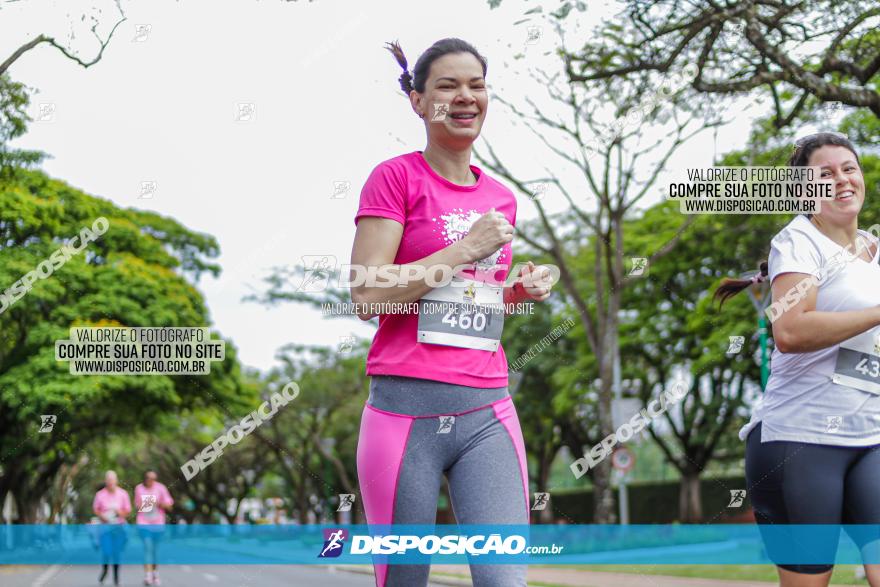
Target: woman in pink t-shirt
(438, 231)
(112, 505)
(152, 500)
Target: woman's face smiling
(455, 100)
(839, 164)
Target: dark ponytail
(804, 147)
(731, 287)
(406, 78)
(417, 80)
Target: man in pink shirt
(152, 500)
(112, 505)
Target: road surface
(324, 576)
(187, 576)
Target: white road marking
(47, 576)
(211, 578)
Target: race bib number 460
(858, 363)
(464, 314)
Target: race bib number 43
(464, 314)
(858, 362)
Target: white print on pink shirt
(455, 225)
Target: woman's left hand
(537, 282)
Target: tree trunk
(64, 478)
(603, 493)
(690, 504)
(358, 513)
(27, 510)
(303, 504)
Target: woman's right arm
(375, 245)
(802, 329)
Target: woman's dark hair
(416, 82)
(804, 148)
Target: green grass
(731, 572)
(843, 574)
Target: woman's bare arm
(802, 329)
(375, 245)
(377, 240)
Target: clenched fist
(489, 233)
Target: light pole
(621, 484)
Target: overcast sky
(164, 106)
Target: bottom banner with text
(443, 544)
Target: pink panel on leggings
(506, 413)
(380, 450)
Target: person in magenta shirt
(152, 499)
(439, 403)
(112, 505)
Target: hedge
(655, 503)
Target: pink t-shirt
(118, 500)
(154, 514)
(434, 213)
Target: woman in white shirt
(812, 443)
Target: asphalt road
(187, 575)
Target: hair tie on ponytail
(762, 274)
(731, 287)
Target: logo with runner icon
(346, 500)
(334, 541)
(446, 423)
(737, 497)
(541, 499)
(832, 424)
(47, 422)
(147, 504)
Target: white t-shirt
(801, 403)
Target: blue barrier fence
(444, 544)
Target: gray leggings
(415, 431)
